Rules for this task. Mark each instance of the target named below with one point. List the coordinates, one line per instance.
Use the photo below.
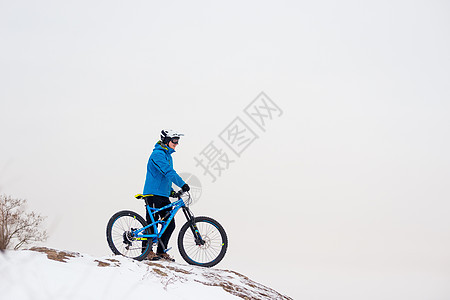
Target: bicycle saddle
(140, 196)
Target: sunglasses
(175, 140)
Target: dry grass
(102, 263)
(53, 254)
(159, 272)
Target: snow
(43, 275)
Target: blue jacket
(160, 172)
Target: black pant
(158, 202)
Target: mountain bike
(202, 241)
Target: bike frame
(138, 235)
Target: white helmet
(167, 135)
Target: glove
(173, 194)
(185, 188)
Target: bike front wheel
(120, 238)
(203, 242)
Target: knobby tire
(118, 224)
(209, 254)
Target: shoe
(152, 256)
(165, 256)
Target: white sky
(345, 195)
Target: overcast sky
(344, 194)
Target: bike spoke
(210, 250)
(124, 225)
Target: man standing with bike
(158, 186)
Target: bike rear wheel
(213, 248)
(120, 239)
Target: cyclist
(158, 186)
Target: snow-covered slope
(42, 273)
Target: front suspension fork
(191, 220)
